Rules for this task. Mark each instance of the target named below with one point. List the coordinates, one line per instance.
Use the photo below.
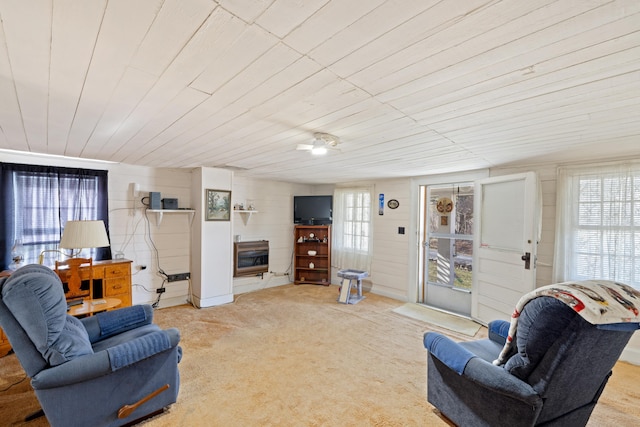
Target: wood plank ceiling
(410, 87)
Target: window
(352, 228)
(598, 224)
(38, 200)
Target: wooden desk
(89, 306)
(111, 279)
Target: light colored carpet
(439, 318)
(294, 356)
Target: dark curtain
(43, 198)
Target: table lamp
(80, 235)
(84, 234)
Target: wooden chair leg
(126, 410)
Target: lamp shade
(84, 234)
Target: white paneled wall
(138, 238)
(135, 234)
(547, 175)
(389, 273)
(212, 247)
(273, 221)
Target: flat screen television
(312, 210)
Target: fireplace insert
(251, 258)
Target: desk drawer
(117, 270)
(118, 288)
(117, 282)
(115, 287)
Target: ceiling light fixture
(321, 144)
(319, 148)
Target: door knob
(527, 260)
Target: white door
(508, 210)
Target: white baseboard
(631, 355)
(171, 302)
(212, 302)
(245, 285)
(388, 292)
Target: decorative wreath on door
(444, 205)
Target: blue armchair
(554, 375)
(107, 370)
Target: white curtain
(598, 223)
(352, 230)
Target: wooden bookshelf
(312, 254)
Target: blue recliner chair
(554, 375)
(107, 370)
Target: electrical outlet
(277, 274)
(178, 277)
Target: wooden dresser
(4, 344)
(111, 278)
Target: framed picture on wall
(218, 205)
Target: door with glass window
(446, 232)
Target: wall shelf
(246, 214)
(160, 212)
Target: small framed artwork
(218, 205)
(444, 220)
